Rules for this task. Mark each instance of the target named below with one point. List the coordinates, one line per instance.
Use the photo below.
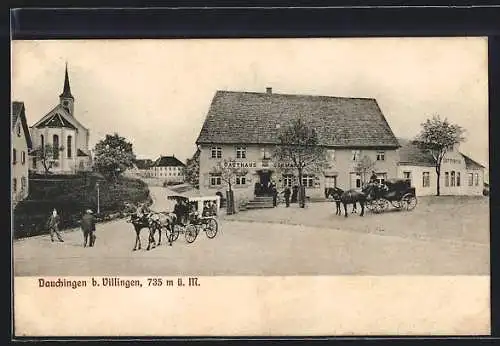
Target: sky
(156, 93)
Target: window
(55, 144)
(331, 154)
(287, 180)
(216, 152)
(241, 180)
(476, 179)
(381, 177)
(330, 181)
(18, 130)
(42, 142)
(14, 156)
(446, 179)
(241, 152)
(471, 181)
(381, 156)
(355, 155)
(14, 185)
(426, 182)
(407, 176)
(215, 180)
(68, 147)
(308, 180)
(458, 178)
(452, 178)
(23, 157)
(355, 180)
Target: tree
(299, 148)
(192, 170)
(438, 137)
(46, 155)
(113, 155)
(364, 167)
(229, 170)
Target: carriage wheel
(380, 205)
(191, 233)
(211, 228)
(397, 204)
(410, 202)
(175, 233)
(370, 205)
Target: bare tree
(364, 167)
(229, 170)
(299, 149)
(438, 137)
(47, 155)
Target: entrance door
(263, 187)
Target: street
(249, 248)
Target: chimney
(269, 90)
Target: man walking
(53, 226)
(88, 228)
(287, 193)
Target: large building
(460, 175)
(169, 169)
(21, 146)
(69, 139)
(244, 126)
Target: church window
(55, 145)
(68, 147)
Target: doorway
(263, 186)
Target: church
(66, 138)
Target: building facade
(66, 136)
(460, 175)
(169, 169)
(243, 128)
(21, 146)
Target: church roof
(67, 89)
(56, 120)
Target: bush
(71, 197)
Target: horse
(335, 193)
(349, 197)
(160, 220)
(141, 221)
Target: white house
(460, 175)
(68, 137)
(168, 168)
(21, 145)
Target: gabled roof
(254, 118)
(471, 164)
(60, 109)
(56, 120)
(168, 161)
(410, 154)
(18, 113)
(143, 163)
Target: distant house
(460, 175)
(142, 167)
(169, 169)
(69, 138)
(21, 145)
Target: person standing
(53, 226)
(295, 193)
(287, 193)
(274, 192)
(373, 178)
(88, 228)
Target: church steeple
(66, 99)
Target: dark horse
(141, 221)
(349, 197)
(335, 193)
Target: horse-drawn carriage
(195, 214)
(396, 192)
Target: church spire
(67, 89)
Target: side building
(244, 127)
(169, 169)
(460, 175)
(21, 146)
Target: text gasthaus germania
(114, 282)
